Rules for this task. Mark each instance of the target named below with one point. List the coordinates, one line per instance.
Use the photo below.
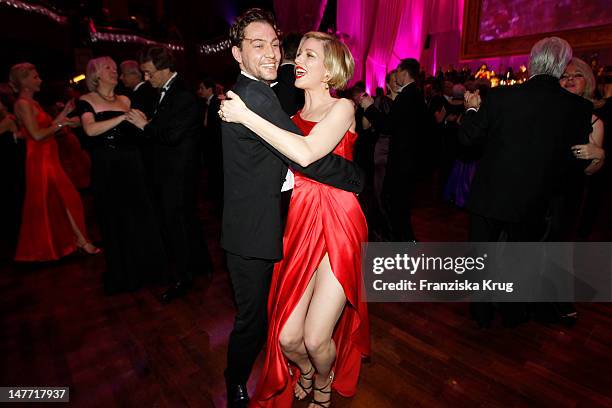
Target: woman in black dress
(131, 238)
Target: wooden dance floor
(58, 329)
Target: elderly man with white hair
(527, 132)
(140, 92)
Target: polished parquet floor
(58, 329)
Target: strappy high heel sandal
(305, 377)
(327, 403)
(88, 249)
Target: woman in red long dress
(318, 323)
(53, 224)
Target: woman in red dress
(52, 223)
(317, 316)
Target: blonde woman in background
(53, 224)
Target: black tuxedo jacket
(144, 98)
(213, 125)
(174, 130)
(254, 172)
(213, 109)
(407, 123)
(211, 138)
(527, 131)
(290, 97)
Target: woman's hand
(8, 124)
(137, 118)
(69, 107)
(233, 109)
(588, 151)
(365, 101)
(72, 122)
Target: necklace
(110, 98)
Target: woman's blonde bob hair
(589, 79)
(338, 59)
(18, 73)
(92, 75)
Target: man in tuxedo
(141, 93)
(144, 98)
(290, 97)
(174, 130)
(407, 123)
(210, 143)
(527, 132)
(254, 173)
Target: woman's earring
(326, 85)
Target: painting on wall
(511, 27)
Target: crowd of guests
(141, 166)
(427, 149)
(527, 162)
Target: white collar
(402, 88)
(167, 84)
(210, 98)
(138, 85)
(246, 74)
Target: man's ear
(236, 54)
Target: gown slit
(46, 233)
(321, 220)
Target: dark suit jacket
(407, 123)
(254, 172)
(527, 131)
(213, 120)
(144, 98)
(174, 130)
(290, 97)
(211, 137)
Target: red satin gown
(322, 219)
(46, 233)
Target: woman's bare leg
(325, 309)
(291, 339)
(82, 242)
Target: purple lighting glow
(381, 34)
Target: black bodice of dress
(124, 134)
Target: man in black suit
(407, 123)
(210, 142)
(174, 130)
(144, 98)
(290, 97)
(527, 132)
(142, 95)
(254, 173)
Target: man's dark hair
(252, 15)
(410, 65)
(291, 43)
(160, 56)
(208, 83)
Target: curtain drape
(382, 32)
(355, 21)
(380, 51)
(299, 15)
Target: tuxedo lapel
(167, 95)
